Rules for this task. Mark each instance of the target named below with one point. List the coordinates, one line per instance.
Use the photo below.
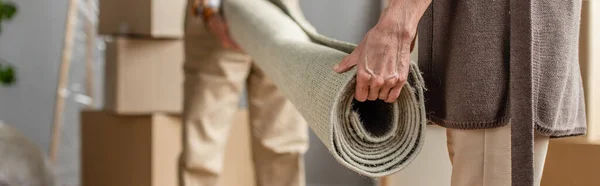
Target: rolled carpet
(373, 138)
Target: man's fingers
(374, 87)
(230, 43)
(224, 40)
(219, 30)
(395, 92)
(218, 26)
(362, 86)
(230, 40)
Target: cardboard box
(143, 76)
(590, 64)
(151, 18)
(129, 150)
(572, 162)
(143, 150)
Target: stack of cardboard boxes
(136, 139)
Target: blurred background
(78, 67)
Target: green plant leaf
(7, 10)
(10, 10)
(7, 75)
(7, 72)
(10, 76)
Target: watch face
(214, 4)
(202, 10)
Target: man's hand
(383, 57)
(218, 26)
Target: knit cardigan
(486, 63)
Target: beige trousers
(214, 80)
(482, 157)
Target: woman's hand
(383, 56)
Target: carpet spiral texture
(372, 138)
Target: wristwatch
(206, 8)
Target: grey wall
(346, 20)
(32, 42)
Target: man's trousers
(214, 80)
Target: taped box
(572, 162)
(143, 150)
(143, 76)
(150, 18)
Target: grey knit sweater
(488, 62)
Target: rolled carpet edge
(390, 151)
(372, 138)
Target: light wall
(432, 166)
(32, 42)
(346, 20)
(590, 65)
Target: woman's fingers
(395, 92)
(388, 84)
(350, 60)
(402, 69)
(362, 85)
(375, 86)
(382, 66)
(346, 64)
